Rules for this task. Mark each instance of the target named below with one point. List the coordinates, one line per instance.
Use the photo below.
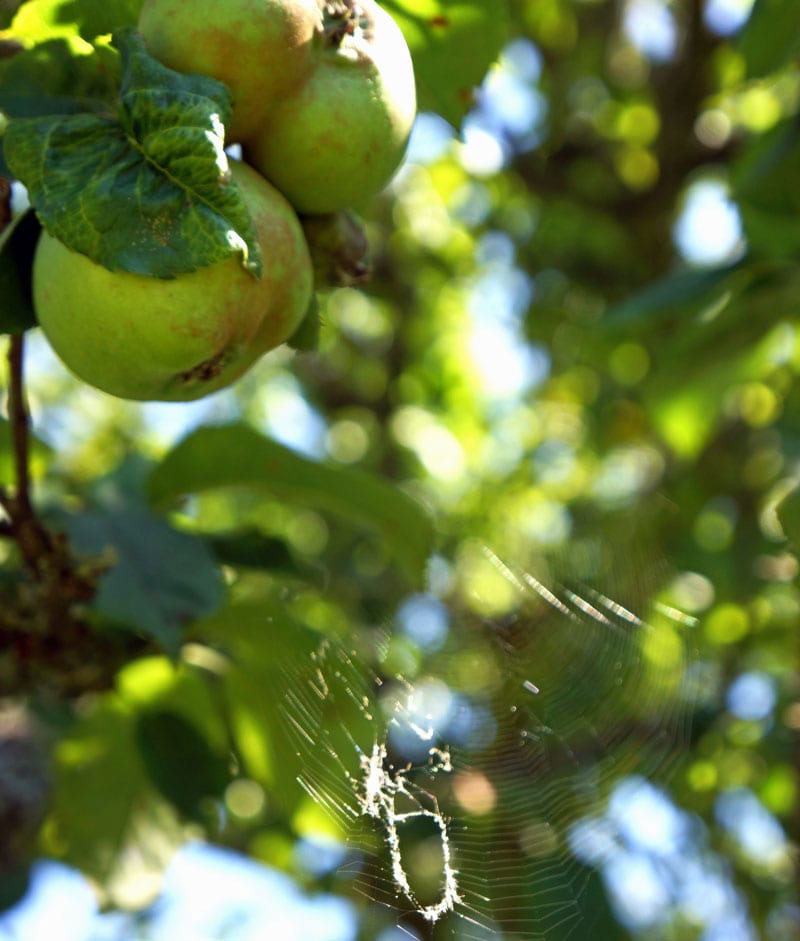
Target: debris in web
(377, 797)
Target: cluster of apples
(323, 99)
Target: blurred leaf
(453, 43)
(161, 579)
(180, 762)
(236, 455)
(99, 778)
(40, 20)
(250, 548)
(161, 154)
(53, 78)
(788, 511)
(724, 341)
(767, 191)
(771, 37)
(666, 295)
(13, 885)
(39, 451)
(17, 248)
(266, 648)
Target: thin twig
(6, 501)
(18, 414)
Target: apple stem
(343, 18)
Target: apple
(337, 138)
(178, 339)
(261, 49)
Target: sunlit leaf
(40, 20)
(98, 778)
(148, 191)
(264, 646)
(453, 43)
(39, 452)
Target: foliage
(538, 366)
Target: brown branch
(18, 415)
(5, 218)
(47, 640)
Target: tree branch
(18, 415)
(6, 501)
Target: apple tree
(399, 457)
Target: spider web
(460, 806)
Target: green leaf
(52, 77)
(236, 455)
(767, 191)
(13, 885)
(788, 511)
(665, 296)
(162, 579)
(719, 341)
(771, 37)
(39, 451)
(99, 786)
(40, 20)
(453, 43)
(267, 653)
(250, 548)
(148, 191)
(180, 762)
(17, 248)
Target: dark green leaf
(50, 78)
(771, 37)
(180, 762)
(251, 549)
(13, 885)
(236, 455)
(453, 43)
(17, 248)
(670, 293)
(162, 579)
(148, 191)
(767, 190)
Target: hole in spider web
(460, 791)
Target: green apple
(139, 337)
(260, 49)
(338, 138)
